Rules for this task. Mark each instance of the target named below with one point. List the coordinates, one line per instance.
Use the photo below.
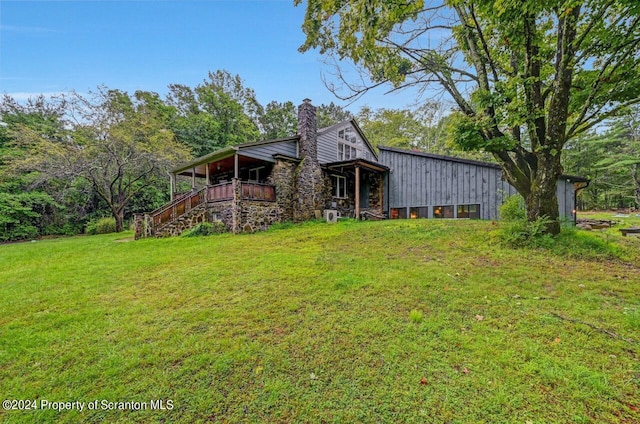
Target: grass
(391, 321)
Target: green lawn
(393, 321)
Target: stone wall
(194, 217)
(258, 216)
(283, 178)
(221, 211)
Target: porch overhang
(357, 163)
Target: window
(443, 211)
(346, 152)
(398, 213)
(254, 174)
(469, 211)
(348, 134)
(339, 186)
(415, 213)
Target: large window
(443, 211)
(398, 213)
(346, 152)
(339, 186)
(348, 134)
(469, 211)
(421, 212)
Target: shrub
(205, 229)
(513, 209)
(523, 233)
(104, 225)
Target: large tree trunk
(538, 186)
(119, 216)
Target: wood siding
(328, 146)
(328, 143)
(266, 151)
(419, 180)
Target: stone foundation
(196, 216)
(258, 216)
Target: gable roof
(355, 125)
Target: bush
(205, 229)
(523, 233)
(513, 209)
(101, 226)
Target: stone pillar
(236, 206)
(137, 225)
(309, 181)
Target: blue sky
(58, 46)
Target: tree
(331, 114)
(611, 158)
(27, 210)
(117, 144)
(217, 113)
(278, 120)
(526, 76)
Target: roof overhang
(361, 163)
(211, 157)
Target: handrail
(176, 198)
(178, 207)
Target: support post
(357, 192)
(235, 166)
(193, 178)
(172, 186)
(206, 173)
(381, 193)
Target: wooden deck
(185, 202)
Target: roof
(440, 157)
(569, 178)
(363, 163)
(229, 151)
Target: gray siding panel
(266, 151)
(328, 147)
(426, 181)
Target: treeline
(610, 157)
(68, 161)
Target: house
(249, 187)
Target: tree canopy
(526, 76)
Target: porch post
(381, 191)
(172, 185)
(357, 192)
(193, 177)
(235, 166)
(206, 173)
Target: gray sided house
(329, 172)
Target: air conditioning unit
(331, 216)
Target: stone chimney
(309, 180)
(308, 129)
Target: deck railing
(258, 191)
(213, 193)
(220, 192)
(178, 207)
